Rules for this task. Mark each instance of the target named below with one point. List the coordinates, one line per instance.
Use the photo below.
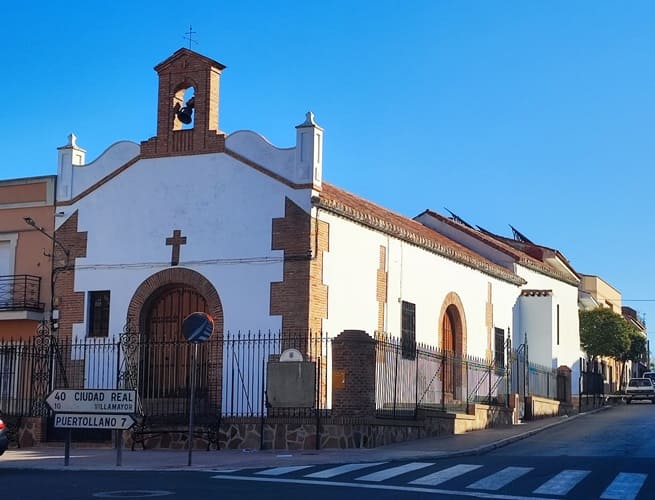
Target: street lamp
(54, 318)
(31, 222)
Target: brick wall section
(182, 70)
(70, 302)
(489, 322)
(318, 291)
(381, 288)
(564, 384)
(301, 298)
(353, 368)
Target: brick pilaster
(353, 374)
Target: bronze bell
(185, 113)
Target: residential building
(26, 254)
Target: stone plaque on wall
(291, 384)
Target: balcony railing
(20, 292)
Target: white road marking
(342, 469)
(499, 479)
(387, 487)
(393, 471)
(445, 475)
(278, 471)
(625, 486)
(562, 483)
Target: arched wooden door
(166, 354)
(450, 327)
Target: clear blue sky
(535, 114)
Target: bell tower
(187, 107)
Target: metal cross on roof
(189, 36)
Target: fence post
(443, 381)
(353, 372)
(416, 385)
(527, 369)
(508, 367)
(395, 380)
(491, 366)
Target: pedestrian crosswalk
(465, 477)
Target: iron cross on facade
(176, 240)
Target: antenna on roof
(484, 231)
(458, 219)
(518, 236)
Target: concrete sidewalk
(83, 458)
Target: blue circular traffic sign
(197, 327)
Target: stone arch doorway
(452, 340)
(163, 363)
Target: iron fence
(231, 372)
(428, 377)
(591, 385)
(246, 356)
(542, 381)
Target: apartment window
(408, 331)
(499, 347)
(99, 314)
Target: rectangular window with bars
(99, 314)
(499, 347)
(408, 331)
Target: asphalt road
(606, 455)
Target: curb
(507, 441)
(436, 455)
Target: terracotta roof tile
(517, 250)
(365, 212)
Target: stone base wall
(300, 434)
(537, 407)
(31, 431)
(281, 434)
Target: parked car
(640, 388)
(650, 375)
(4, 438)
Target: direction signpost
(93, 409)
(93, 421)
(92, 401)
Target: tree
(604, 333)
(637, 348)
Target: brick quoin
(353, 367)
(69, 302)
(301, 298)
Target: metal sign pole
(67, 448)
(194, 355)
(119, 447)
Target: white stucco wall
(414, 275)
(565, 351)
(73, 178)
(222, 207)
(538, 327)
